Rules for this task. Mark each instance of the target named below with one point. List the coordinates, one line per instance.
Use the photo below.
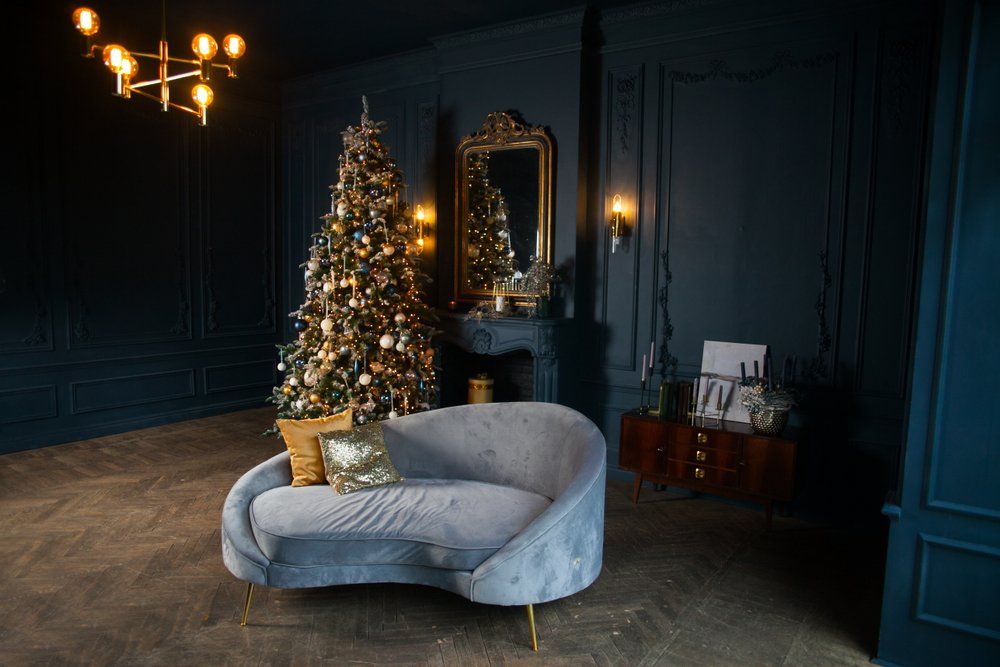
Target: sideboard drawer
(701, 455)
(704, 438)
(703, 474)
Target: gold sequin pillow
(357, 459)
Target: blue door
(941, 604)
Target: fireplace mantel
(541, 337)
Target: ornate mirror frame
(502, 131)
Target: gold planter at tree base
(481, 389)
(769, 422)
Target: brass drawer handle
(700, 456)
(702, 438)
(699, 473)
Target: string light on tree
(363, 338)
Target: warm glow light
(616, 204)
(204, 46)
(420, 213)
(234, 46)
(114, 55)
(202, 95)
(86, 21)
(129, 68)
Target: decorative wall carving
(624, 108)
(668, 362)
(781, 61)
(903, 58)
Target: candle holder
(643, 406)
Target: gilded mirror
(503, 208)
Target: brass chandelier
(125, 67)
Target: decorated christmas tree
(363, 334)
(491, 259)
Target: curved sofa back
(539, 447)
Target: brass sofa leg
(246, 605)
(531, 625)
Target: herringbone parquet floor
(109, 553)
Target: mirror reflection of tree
(490, 256)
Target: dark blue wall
(771, 150)
(138, 272)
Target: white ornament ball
(326, 325)
(386, 341)
(393, 414)
(321, 354)
(312, 264)
(344, 282)
(365, 379)
(293, 382)
(400, 347)
(327, 287)
(353, 303)
(387, 250)
(366, 239)
(400, 318)
(282, 366)
(341, 209)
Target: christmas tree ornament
(282, 366)
(363, 293)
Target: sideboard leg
(636, 485)
(246, 605)
(531, 626)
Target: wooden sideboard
(730, 460)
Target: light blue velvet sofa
(503, 504)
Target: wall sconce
(421, 219)
(616, 225)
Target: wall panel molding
(130, 390)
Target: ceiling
(291, 38)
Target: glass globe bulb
(114, 55)
(130, 67)
(204, 46)
(234, 46)
(202, 95)
(86, 21)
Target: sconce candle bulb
(617, 222)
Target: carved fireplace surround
(542, 338)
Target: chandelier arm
(174, 105)
(155, 82)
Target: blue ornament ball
(358, 234)
(300, 325)
(363, 267)
(300, 363)
(321, 241)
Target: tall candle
(756, 369)
(652, 348)
(644, 368)
(743, 371)
(718, 402)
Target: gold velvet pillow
(303, 445)
(357, 459)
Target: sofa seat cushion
(445, 523)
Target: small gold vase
(769, 422)
(481, 389)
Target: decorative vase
(769, 422)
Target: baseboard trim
(74, 433)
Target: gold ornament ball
(314, 398)
(362, 253)
(307, 318)
(337, 228)
(326, 345)
(286, 390)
